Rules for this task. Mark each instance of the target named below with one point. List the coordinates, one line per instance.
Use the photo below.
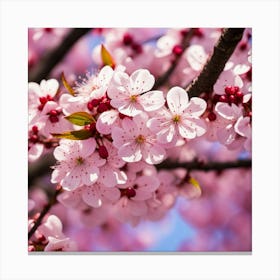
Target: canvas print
(139, 140)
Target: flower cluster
(110, 131)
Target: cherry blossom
(77, 164)
(52, 231)
(39, 95)
(131, 95)
(182, 118)
(135, 141)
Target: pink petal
(106, 120)
(226, 135)
(196, 57)
(196, 107)
(130, 152)
(49, 87)
(87, 147)
(130, 128)
(91, 196)
(34, 89)
(119, 137)
(177, 100)
(52, 227)
(35, 152)
(243, 127)
(141, 81)
(137, 208)
(187, 130)
(153, 154)
(167, 134)
(71, 181)
(120, 86)
(130, 109)
(152, 100)
(112, 194)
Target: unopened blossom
(131, 95)
(135, 141)
(78, 164)
(181, 119)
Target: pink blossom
(132, 95)
(39, 95)
(243, 127)
(77, 163)
(226, 134)
(134, 193)
(135, 141)
(52, 231)
(53, 120)
(107, 120)
(182, 118)
(110, 173)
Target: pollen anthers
(140, 139)
(133, 98)
(176, 118)
(79, 160)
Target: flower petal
(141, 81)
(196, 107)
(177, 100)
(130, 152)
(152, 100)
(91, 196)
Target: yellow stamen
(140, 139)
(79, 160)
(133, 98)
(176, 118)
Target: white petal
(177, 100)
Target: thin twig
(45, 210)
(223, 50)
(209, 166)
(185, 43)
(51, 59)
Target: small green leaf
(106, 57)
(80, 118)
(66, 85)
(74, 135)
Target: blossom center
(133, 98)
(79, 161)
(140, 139)
(176, 118)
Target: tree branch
(185, 43)
(215, 65)
(45, 210)
(209, 166)
(51, 59)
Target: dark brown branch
(209, 166)
(51, 59)
(46, 209)
(185, 43)
(215, 65)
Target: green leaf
(74, 135)
(80, 118)
(66, 85)
(106, 57)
